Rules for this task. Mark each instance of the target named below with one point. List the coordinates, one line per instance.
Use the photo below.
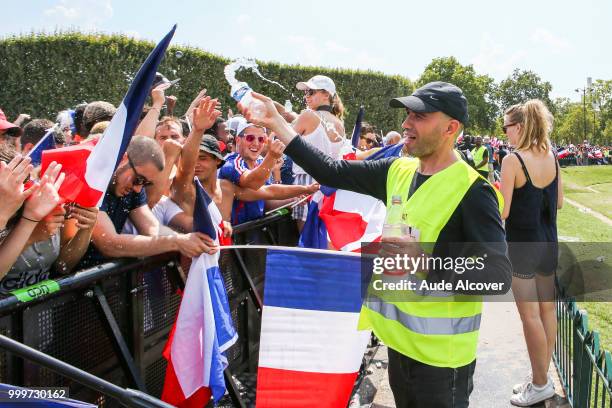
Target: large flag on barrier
(310, 349)
(203, 330)
(89, 169)
(347, 218)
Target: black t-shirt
(476, 222)
(118, 209)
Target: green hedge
(41, 74)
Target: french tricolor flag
(203, 330)
(348, 219)
(310, 348)
(563, 153)
(46, 143)
(89, 169)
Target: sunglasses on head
(251, 138)
(139, 179)
(505, 127)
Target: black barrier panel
(142, 297)
(7, 365)
(69, 328)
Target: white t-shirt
(165, 210)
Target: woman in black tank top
(530, 211)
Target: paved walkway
(502, 362)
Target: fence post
(583, 366)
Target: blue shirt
(242, 211)
(118, 209)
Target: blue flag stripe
(201, 217)
(357, 128)
(139, 90)
(46, 143)
(313, 281)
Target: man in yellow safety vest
(481, 158)
(453, 214)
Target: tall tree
(522, 86)
(478, 89)
(600, 96)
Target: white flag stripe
(323, 342)
(101, 161)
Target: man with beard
(432, 344)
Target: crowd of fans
(148, 207)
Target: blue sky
(563, 41)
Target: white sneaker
(530, 395)
(518, 388)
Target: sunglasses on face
(311, 92)
(251, 138)
(139, 179)
(505, 127)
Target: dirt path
(589, 211)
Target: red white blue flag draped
(310, 348)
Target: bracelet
(29, 219)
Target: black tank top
(533, 211)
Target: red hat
(5, 124)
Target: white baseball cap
(238, 124)
(318, 82)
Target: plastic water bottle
(242, 92)
(394, 226)
(288, 106)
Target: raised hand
(276, 148)
(170, 104)
(45, 196)
(195, 102)
(267, 116)
(158, 96)
(205, 114)
(12, 176)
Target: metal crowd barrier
(584, 367)
(113, 320)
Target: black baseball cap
(436, 97)
(210, 145)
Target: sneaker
(532, 395)
(518, 388)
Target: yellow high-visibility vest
(444, 332)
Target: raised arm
(204, 116)
(172, 152)
(148, 124)
(274, 192)
(257, 177)
(366, 177)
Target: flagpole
(291, 204)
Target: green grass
(585, 176)
(572, 222)
(600, 319)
